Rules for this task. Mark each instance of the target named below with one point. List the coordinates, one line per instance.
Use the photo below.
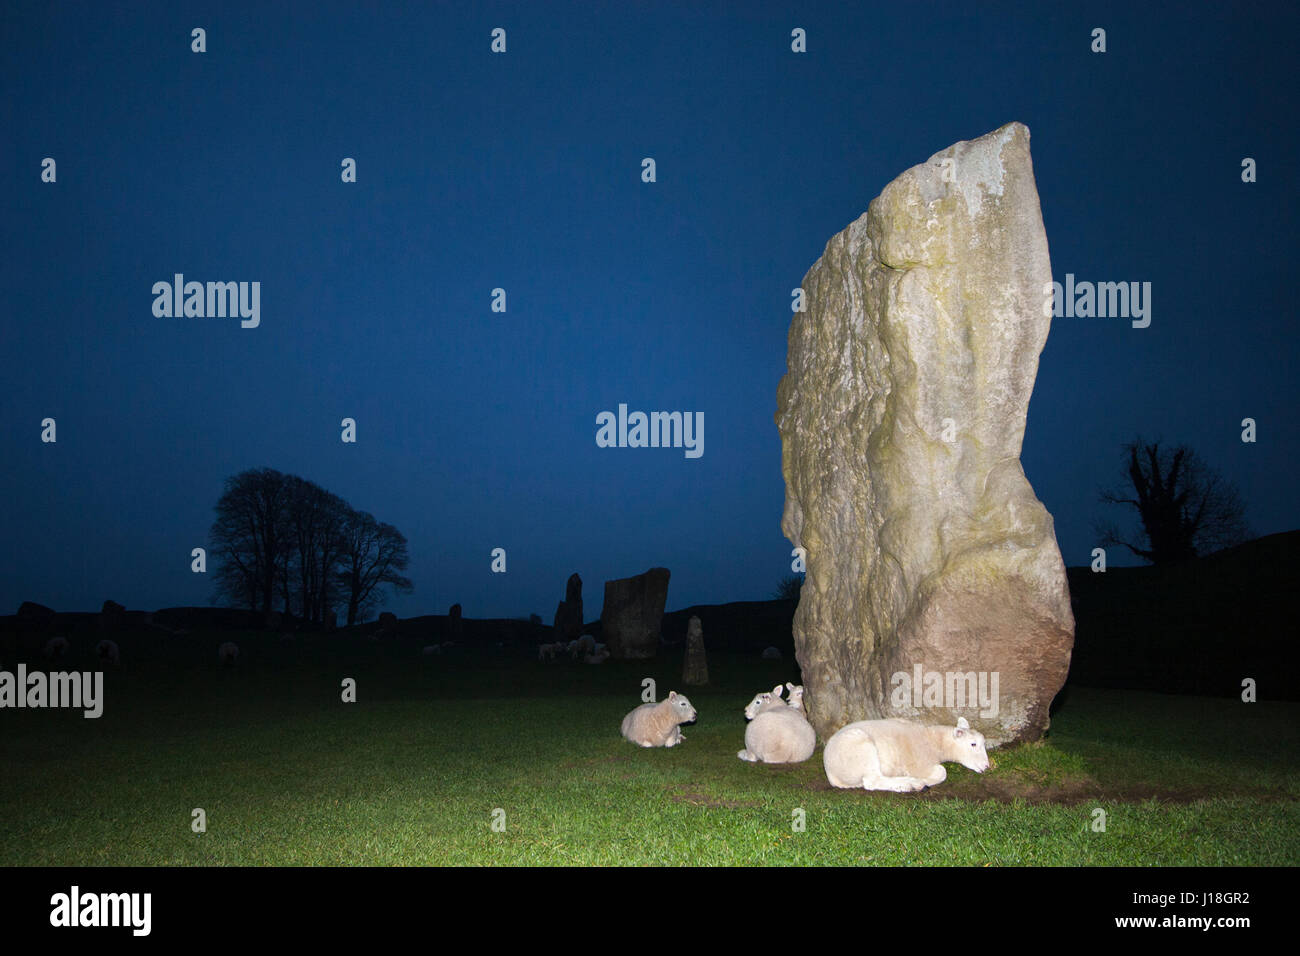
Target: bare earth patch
(1069, 791)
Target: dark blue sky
(522, 171)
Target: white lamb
(584, 645)
(900, 756)
(658, 725)
(546, 652)
(228, 653)
(55, 647)
(796, 696)
(108, 653)
(777, 733)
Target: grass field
(412, 772)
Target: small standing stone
(110, 616)
(696, 669)
(568, 613)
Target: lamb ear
(672, 695)
(963, 723)
(776, 692)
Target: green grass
(411, 773)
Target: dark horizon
(521, 171)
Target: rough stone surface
(568, 613)
(633, 613)
(695, 670)
(901, 419)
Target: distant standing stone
(110, 616)
(568, 613)
(696, 669)
(37, 616)
(633, 613)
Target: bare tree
(283, 536)
(249, 536)
(315, 521)
(1184, 507)
(374, 554)
(790, 587)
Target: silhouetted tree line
(283, 539)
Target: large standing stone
(901, 420)
(633, 613)
(568, 613)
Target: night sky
(476, 429)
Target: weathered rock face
(695, 670)
(568, 613)
(901, 418)
(633, 613)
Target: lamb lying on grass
(657, 725)
(777, 732)
(899, 755)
